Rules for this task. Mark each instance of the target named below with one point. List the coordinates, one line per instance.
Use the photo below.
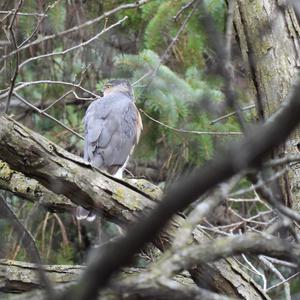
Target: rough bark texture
(22, 277)
(64, 173)
(268, 34)
(17, 276)
(31, 189)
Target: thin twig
(28, 243)
(43, 16)
(232, 114)
(22, 85)
(258, 184)
(182, 9)
(282, 282)
(191, 131)
(4, 12)
(74, 47)
(133, 5)
(256, 271)
(14, 42)
(282, 161)
(56, 101)
(280, 262)
(229, 27)
(165, 55)
(223, 62)
(286, 285)
(47, 115)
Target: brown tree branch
(248, 243)
(20, 276)
(64, 173)
(14, 43)
(249, 152)
(133, 5)
(28, 242)
(31, 189)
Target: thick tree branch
(67, 174)
(249, 243)
(31, 189)
(248, 152)
(21, 276)
(64, 173)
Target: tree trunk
(268, 34)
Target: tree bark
(268, 34)
(64, 173)
(20, 277)
(30, 189)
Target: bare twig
(282, 161)
(257, 272)
(63, 230)
(228, 33)
(56, 101)
(47, 115)
(5, 12)
(191, 131)
(22, 85)
(280, 262)
(165, 55)
(223, 54)
(286, 285)
(42, 17)
(74, 47)
(259, 184)
(14, 42)
(282, 282)
(28, 243)
(232, 114)
(182, 9)
(133, 5)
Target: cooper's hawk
(112, 129)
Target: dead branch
(133, 5)
(28, 242)
(104, 30)
(119, 201)
(249, 152)
(32, 190)
(21, 276)
(248, 243)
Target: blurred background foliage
(182, 92)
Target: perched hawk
(112, 129)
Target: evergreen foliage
(173, 100)
(175, 95)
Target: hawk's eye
(108, 86)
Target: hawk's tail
(84, 214)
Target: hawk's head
(118, 86)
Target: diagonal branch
(31, 154)
(64, 173)
(104, 30)
(134, 4)
(248, 152)
(28, 242)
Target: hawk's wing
(112, 128)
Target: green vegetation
(180, 91)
